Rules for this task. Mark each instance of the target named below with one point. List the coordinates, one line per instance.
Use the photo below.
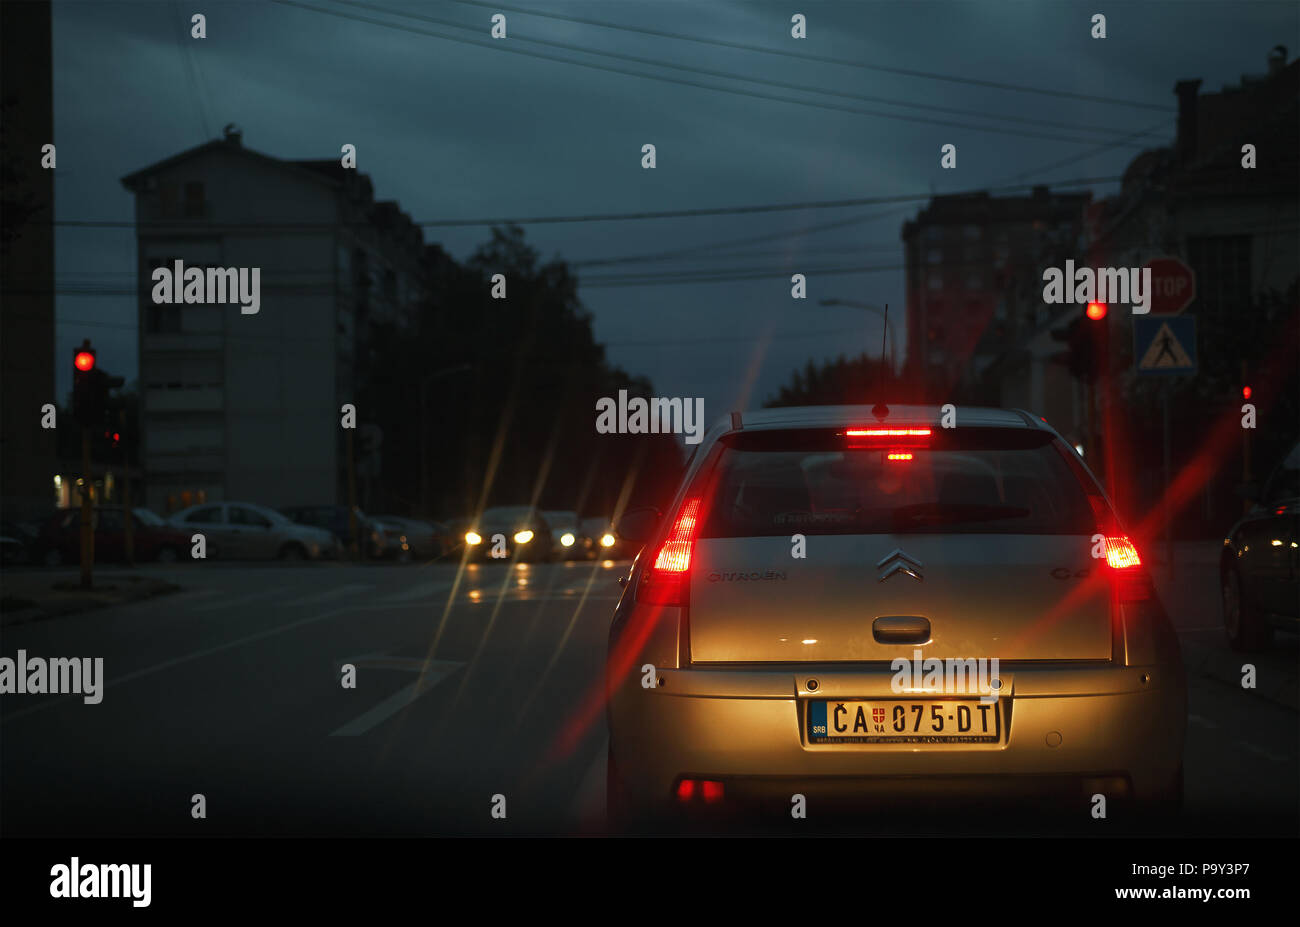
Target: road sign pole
(127, 512)
(1168, 509)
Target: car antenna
(880, 410)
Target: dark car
(1259, 570)
(59, 539)
(568, 539)
(426, 540)
(335, 519)
(17, 542)
(606, 539)
(524, 534)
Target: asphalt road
(464, 691)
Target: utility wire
(192, 225)
(501, 46)
(821, 59)
(784, 85)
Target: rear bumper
(1105, 727)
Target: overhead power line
(190, 224)
(820, 59)
(784, 85)
(512, 49)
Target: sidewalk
(35, 596)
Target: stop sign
(1173, 285)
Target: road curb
(51, 602)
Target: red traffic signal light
(84, 360)
(1245, 392)
(1096, 311)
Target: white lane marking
(237, 601)
(588, 807)
(1204, 722)
(337, 592)
(178, 661)
(437, 671)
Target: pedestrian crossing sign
(1164, 345)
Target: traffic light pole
(87, 513)
(127, 516)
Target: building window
(1222, 267)
(936, 281)
(934, 256)
(164, 317)
(971, 232)
(194, 200)
(933, 234)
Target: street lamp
(869, 307)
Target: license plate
(903, 722)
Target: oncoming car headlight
(607, 540)
(567, 539)
(472, 537)
(523, 537)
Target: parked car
(810, 552)
(425, 540)
(17, 542)
(568, 540)
(527, 536)
(58, 541)
(247, 531)
(336, 520)
(1259, 569)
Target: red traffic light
(84, 361)
(1245, 392)
(1096, 311)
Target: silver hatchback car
(843, 607)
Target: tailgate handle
(901, 629)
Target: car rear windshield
(968, 481)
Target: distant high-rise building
(969, 260)
(247, 406)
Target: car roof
(829, 416)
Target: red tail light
(708, 790)
(1121, 554)
(1132, 582)
(665, 582)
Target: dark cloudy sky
(453, 130)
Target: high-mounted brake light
(898, 456)
(667, 580)
(888, 432)
(893, 439)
